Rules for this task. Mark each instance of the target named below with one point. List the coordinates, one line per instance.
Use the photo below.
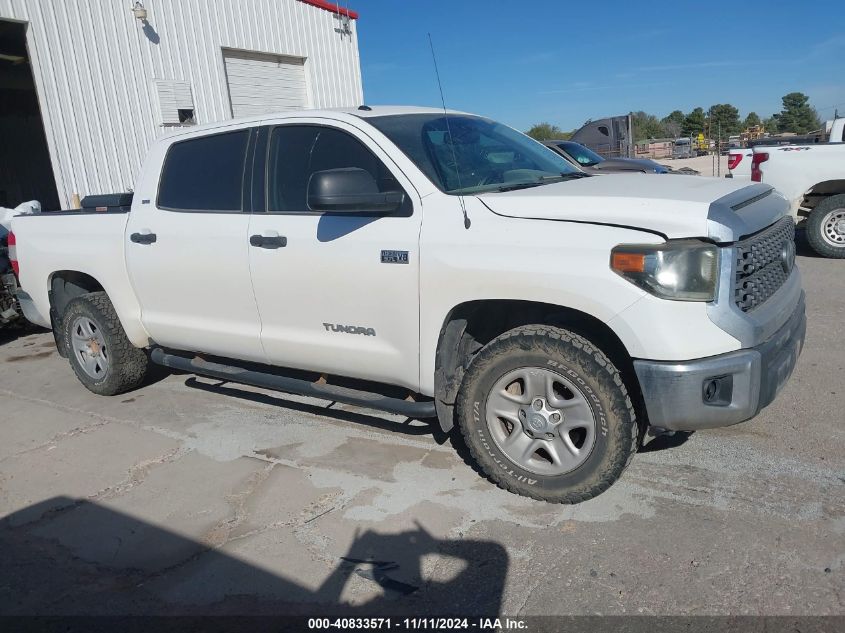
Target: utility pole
(709, 126)
(719, 150)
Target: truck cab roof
(360, 112)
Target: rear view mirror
(350, 190)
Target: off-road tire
(816, 227)
(581, 362)
(128, 365)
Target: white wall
(94, 66)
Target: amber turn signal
(628, 262)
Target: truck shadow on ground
(17, 331)
(408, 426)
(87, 559)
(802, 246)
(666, 441)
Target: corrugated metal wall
(95, 64)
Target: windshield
(582, 155)
(479, 155)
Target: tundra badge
(349, 329)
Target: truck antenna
(467, 222)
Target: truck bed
(91, 242)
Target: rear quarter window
(204, 173)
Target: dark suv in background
(587, 159)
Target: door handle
(265, 241)
(143, 238)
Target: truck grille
(763, 264)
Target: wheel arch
(828, 187)
(820, 191)
(472, 324)
(62, 287)
(65, 285)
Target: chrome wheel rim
(540, 421)
(89, 346)
(833, 228)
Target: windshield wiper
(544, 180)
(566, 176)
(521, 185)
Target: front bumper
(721, 390)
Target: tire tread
(550, 339)
(128, 364)
(814, 227)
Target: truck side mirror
(350, 190)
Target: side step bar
(231, 373)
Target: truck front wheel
(546, 415)
(826, 227)
(98, 350)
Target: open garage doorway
(26, 172)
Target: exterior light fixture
(139, 11)
(343, 27)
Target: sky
(525, 62)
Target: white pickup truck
(437, 266)
(739, 163)
(812, 178)
(740, 158)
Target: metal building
(87, 85)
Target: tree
(646, 126)
(798, 115)
(675, 116)
(724, 120)
(546, 132)
(751, 120)
(672, 124)
(772, 125)
(693, 123)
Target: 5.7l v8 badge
(394, 257)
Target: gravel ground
(705, 165)
(190, 496)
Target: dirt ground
(706, 165)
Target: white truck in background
(435, 265)
(739, 158)
(835, 130)
(739, 163)
(812, 178)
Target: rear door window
(205, 173)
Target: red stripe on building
(334, 7)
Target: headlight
(681, 270)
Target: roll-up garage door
(260, 83)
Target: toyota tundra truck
(438, 265)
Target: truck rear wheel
(826, 227)
(545, 415)
(98, 350)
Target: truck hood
(676, 207)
